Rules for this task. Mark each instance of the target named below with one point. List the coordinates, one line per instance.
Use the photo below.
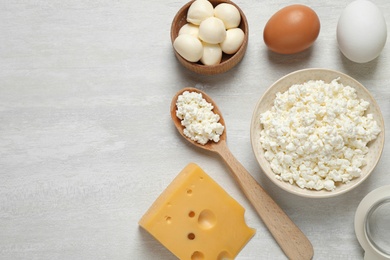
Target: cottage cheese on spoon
(196, 115)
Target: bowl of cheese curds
(209, 36)
(317, 133)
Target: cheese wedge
(196, 219)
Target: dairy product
(211, 26)
(190, 29)
(212, 30)
(212, 54)
(189, 47)
(199, 10)
(195, 218)
(196, 115)
(316, 134)
(229, 14)
(233, 40)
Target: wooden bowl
(228, 61)
(299, 77)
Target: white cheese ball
(199, 11)
(212, 30)
(191, 29)
(229, 15)
(212, 54)
(233, 41)
(189, 47)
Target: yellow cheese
(196, 219)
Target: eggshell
(212, 54)
(361, 31)
(229, 15)
(189, 47)
(234, 39)
(292, 29)
(199, 11)
(212, 30)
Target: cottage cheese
(200, 122)
(316, 134)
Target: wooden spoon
(289, 237)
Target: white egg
(361, 31)
(190, 28)
(189, 47)
(212, 54)
(199, 11)
(212, 30)
(229, 15)
(233, 41)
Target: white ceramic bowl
(298, 77)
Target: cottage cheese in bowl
(317, 133)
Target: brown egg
(292, 29)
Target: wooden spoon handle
(289, 237)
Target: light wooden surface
(86, 139)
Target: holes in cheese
(191, 214)
(197, 256)
(191, 236)
(207, 219)
(224, 256)
(168, 219)
(196, 219)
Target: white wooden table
(86, 140)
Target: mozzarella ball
(229, 15)
(212, 54)
(233, 41)
(191, 29)
(199, 11)
(189, 47)
(212, 30)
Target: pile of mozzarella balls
(209, 32)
